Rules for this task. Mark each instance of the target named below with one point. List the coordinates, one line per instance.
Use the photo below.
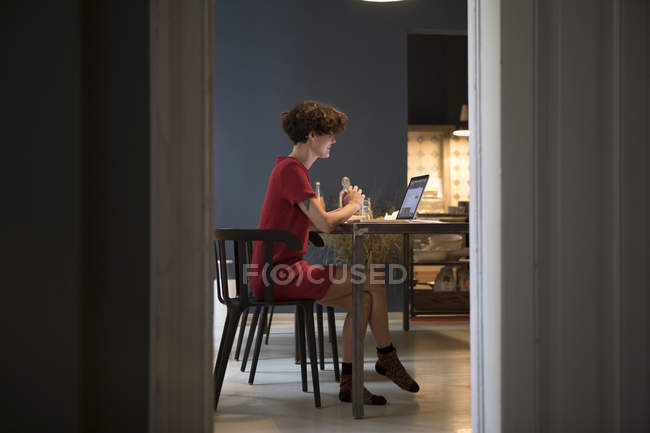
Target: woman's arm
(328, 221)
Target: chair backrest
(242, 241)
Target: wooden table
(359, 230)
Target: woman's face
(321, 144)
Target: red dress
(293, 277)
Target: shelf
(431, 290)
(439, 313)
(428, 301)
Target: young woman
(291, 204)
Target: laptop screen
(412, 198)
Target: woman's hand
(328, 221)
(353, 195)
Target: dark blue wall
(273, 54)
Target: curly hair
(314, 116)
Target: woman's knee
(374, 282)
(376, 290)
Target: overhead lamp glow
(462, 129)
(461, 133)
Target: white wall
(561, 117)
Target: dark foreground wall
(75, 221)
(270, 55)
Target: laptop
(414, 193)
(410, 203)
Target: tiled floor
(437, 355)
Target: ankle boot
(390, 366)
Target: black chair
(320, 338)
(242, 250)
(316, 240)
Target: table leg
(358, 254)
(406, 286)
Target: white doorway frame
(484, 213)
(513, 301)
(502, 299)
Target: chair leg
(331, 323)
(268, 328)
(258, 345)
(300, 314)
(251, 333)
(242, 330)
(311, 342)
(321, 344)
(222, 344)
(224, 353)
(295, 333)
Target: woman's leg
(379, 313)
(388, 364)
(340, 295)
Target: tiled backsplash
(433, 150)
(458, 164)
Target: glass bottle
(345, 183)
(366, 210)
(319, 196)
